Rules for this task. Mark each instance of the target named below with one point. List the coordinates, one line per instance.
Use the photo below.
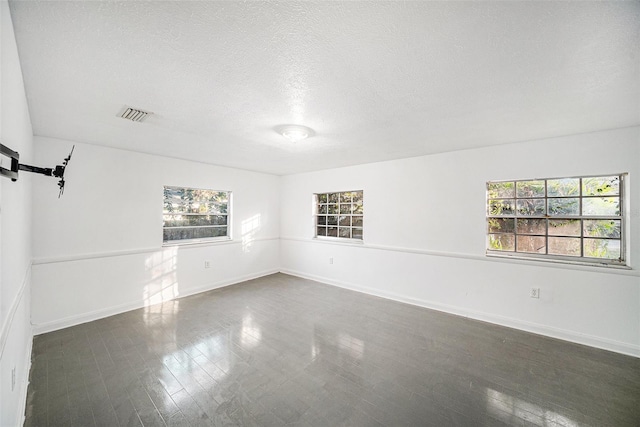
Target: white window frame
(205, 213)
(620, 262)
(323, 219)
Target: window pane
(531, 226)
(356, 233)
(173, 192)
(193, 220)
(601, 186)
(564, 227)
(332, 231)
(500, 190)
(334, 197)
(190, 204)
(344, 232)
(532, 244)
(218, 196)
(602, 248)
(564, 246)
(345, 221)
(563, 187)
(322, 220)
(357, 208)
(501, 207)
(530, 188)
(219, 208)
(177, 206)
(602, 228)
(323, 209)
(321, 231)
(167, 235)
(345, 208)
(220, 219)
(528, 207)
(500, 225)
(563, 207)
(172, 220)
(501, 242)
(193, 233)
(332, 209)
(357, 221)
(345, 197)
(323, 198)
(193, 196)
(601, 206)
(216, 203)
(357, 197)
(332, 220)
(214, 232)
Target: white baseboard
(566, 335)
(229, 282)
(24, 385)
(42, 328)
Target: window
(192, 215)
(339, 215)
(577, 219)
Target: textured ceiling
(375, 80)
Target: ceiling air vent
(134, 114)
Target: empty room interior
(378, 213)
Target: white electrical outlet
(13, 378)
(207, 264)
(331, 260)
(535, 293)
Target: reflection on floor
(282, 351)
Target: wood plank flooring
(284, 351)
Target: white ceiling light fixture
(295, 133)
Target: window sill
(197, 243)
(559, 261)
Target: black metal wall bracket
(15, 163)
(16, 166)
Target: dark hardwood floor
(280, 351)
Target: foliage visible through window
(563, 218)
(339, 215)
(192, 214)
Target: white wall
(15, 233)
(98, 249)
(424, 239)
